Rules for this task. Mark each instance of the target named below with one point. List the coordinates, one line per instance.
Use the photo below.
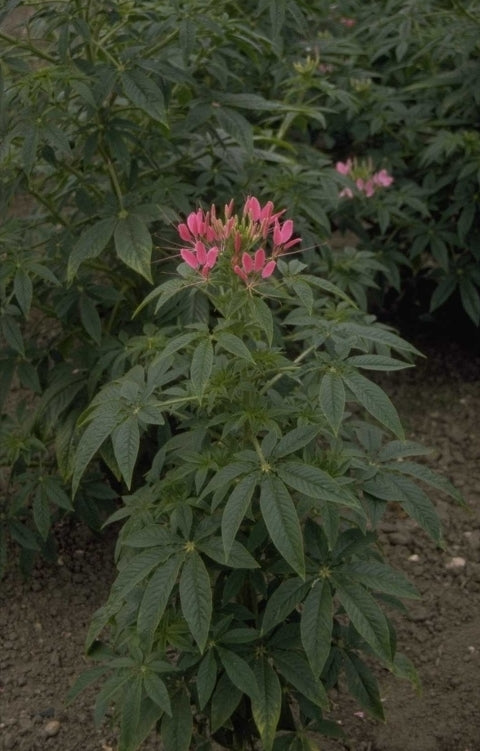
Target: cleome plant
(259, 458)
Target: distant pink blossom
(382, 178)
(344, 168)
(348, 22)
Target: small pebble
(51, 728)
(415, 558)
(455, 564)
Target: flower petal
(268, 269)
(259, 262)
(189, 257)
(247, 263)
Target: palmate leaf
(296, 670)
(225, 700)
(234, 345)
(126, 443)
(363, 685)
(239, 557)
(281, 520)
(177, 730)
(392, 486)
(156, 596)
(130, 713)
(144, 94)
(295, 440)
(201, 367)
(332, 399)
(267, 707)
(90, 244)
(365, 616)
(196, 598)
(375, 401)
(315, 483)
(380, 578)
(206, 678)
(157, 691)
(283, 601)
(316, 625)
(239, 672)
(95, 434)
(235, 510)
(133, 244)
(427, 475)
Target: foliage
(410, 71)
(113, 119)
(250, 576)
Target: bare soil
(43, 621)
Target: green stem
(26, 46)
(112, 173)
(282, 372)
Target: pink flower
(348, 22)
(382, 178)
(252, 267)
(200, 258)
(365, 186)
(344, 168)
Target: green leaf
(144, 94)
(445, 289)
(239, 672)
(262, 315)
(403, 668)
(206, 678)
(377, 362)
(225, 700)
(90, 319)
(130, 714)
(239, 557)
(177, 730)
(470, 299)
(295, 440)
(267, 708)
(156, 596)
(126, 443)
(315, 483)
(41, 514)
(23, 289)
(427, 475)
(395, 487)
(332, 399)
(281, 520)
(138, 569)
(316, 625)
(375, 401)
(376, 334)
(85, 680)
(236, 126)
(379, 577)
(201, 368)
(196, 598)
(23, 535)
(90, 244)
(164, 292)
(107, 693)
(235, 510)
(90, 441)
(133, 244)
(283, 601)
(366, 617)
(298, 673)
(157, 691)
(234, 345)
(12, 333)
(363, 685)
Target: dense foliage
(242, 382)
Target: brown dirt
(43, 622)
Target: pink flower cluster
(366, 181)
(237, 237)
